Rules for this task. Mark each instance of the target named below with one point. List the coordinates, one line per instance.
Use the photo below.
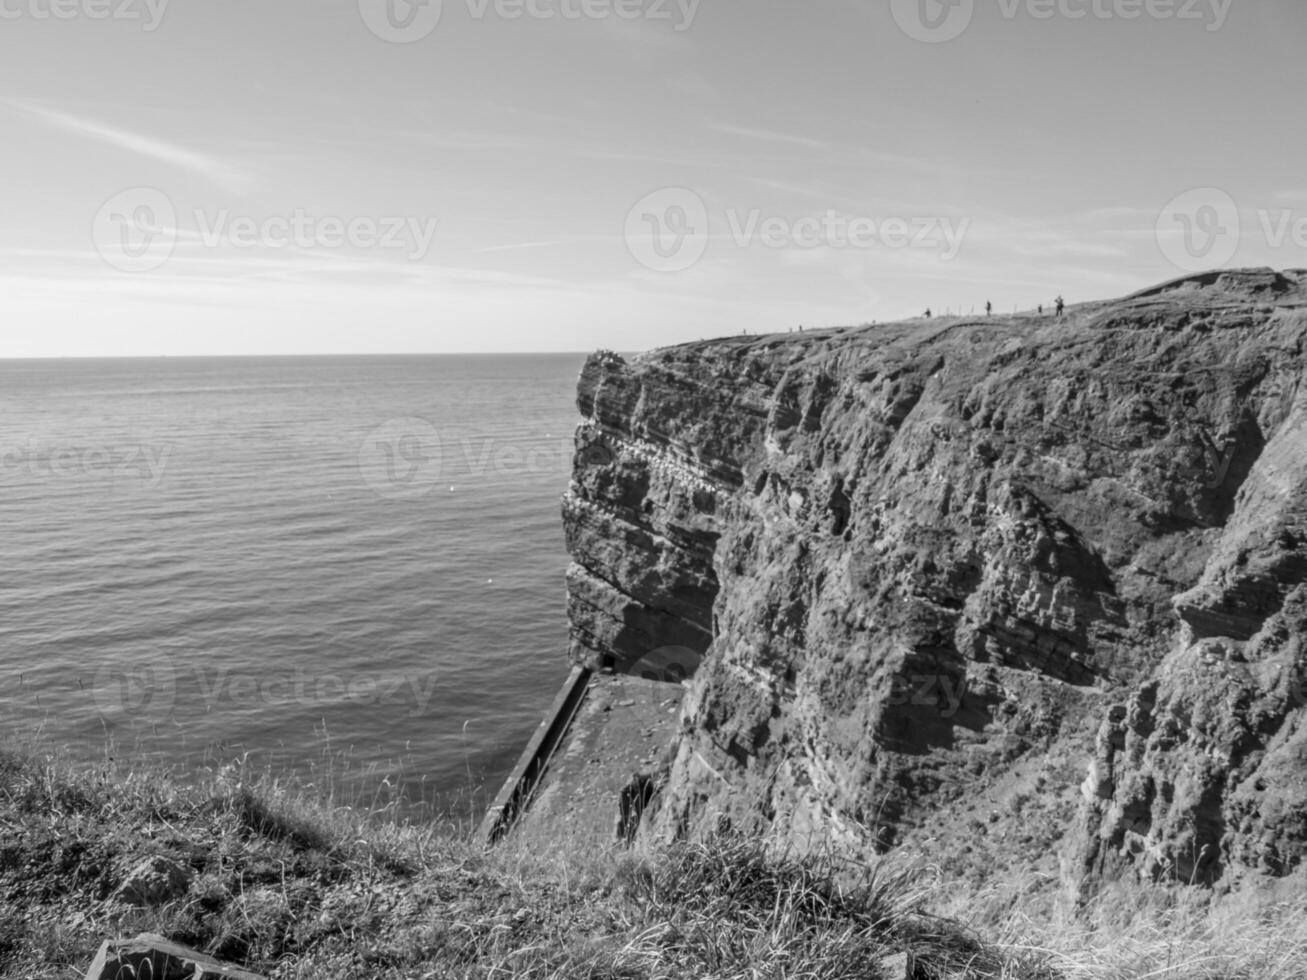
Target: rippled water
(296, 558)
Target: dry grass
(293, 887)
(1177, 933)
(1132, 931)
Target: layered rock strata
(1015, 589)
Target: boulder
(153, 881)
(151, 957)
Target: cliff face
(1009, 588)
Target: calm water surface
(354, 561)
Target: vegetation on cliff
(249, 870)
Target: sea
(341, 572)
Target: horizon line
(182, 357)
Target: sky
(196, 177)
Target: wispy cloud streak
(211, 168)
(770, 136)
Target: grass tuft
(294, 886)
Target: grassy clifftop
(249, 870)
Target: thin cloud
(211, 168)
(519, 246)
(475, 142)
(854, 200)
(860, 155)
(1114, 214)
(650, 39)
(770, 136)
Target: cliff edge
(1011, 590)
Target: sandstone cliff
(1010, 589)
